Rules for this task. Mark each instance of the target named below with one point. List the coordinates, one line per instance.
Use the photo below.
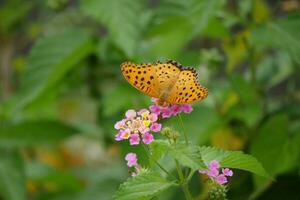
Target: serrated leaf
(50, 59)
(143, 186)
(233, 159)
(120, 17)
(189, 156)
(33, 133)
(12, 177)
(158, 149)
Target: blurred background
(62, 90)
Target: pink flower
(144, 129)
(186, 108)
(227, 172)
(142, 111)
(221, 179)
(176, 109)
(134, 139)
(153, 117)
(118, 136)
(155, 109)
(147, 138)
(120, 124)
(155, 127)
(214, 164)
(213, 172)
(124, 134)
(131, 159)
(167, 112)
(130, 114)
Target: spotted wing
(187, 89)
(142, 77)
(167, 74)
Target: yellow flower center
(147, 123)
(145, 114)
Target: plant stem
(183, 182)
(183, 130)
(159, 165)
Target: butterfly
(169, 82)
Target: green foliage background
(62, 90)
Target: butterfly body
(169, 82)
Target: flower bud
(170, 133)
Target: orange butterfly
(169, 82)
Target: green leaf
(199, 13)
(233, 159)
(120, 17)
(250, 107)
(33, 133)
(202, 12)
(274, 69)
(143, 186)
(12, 178)
(50, 59)
(167, 38)
(189, 156)
(282, 33)
(281, 152)
(158, 149)
(12, 14)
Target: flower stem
(183, 182)
(183, 130)
(159, 165)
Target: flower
(214, 173)
(153, 117)
(214, 164)
(221, 179)
(186, 108)
(118, 136)
(155, 127)
(130, 114)
(134, 139)
(168, 110)
(155, 109)
(136, 125)
(131, 159)
(227, 172)
(147, 138)
(120, 124)
(176, 109)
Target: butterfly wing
(187, 89)
(142, 77)
(167, 74)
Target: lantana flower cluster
(216, 173)
(137, 126)
(140, 125)
(166, 110)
